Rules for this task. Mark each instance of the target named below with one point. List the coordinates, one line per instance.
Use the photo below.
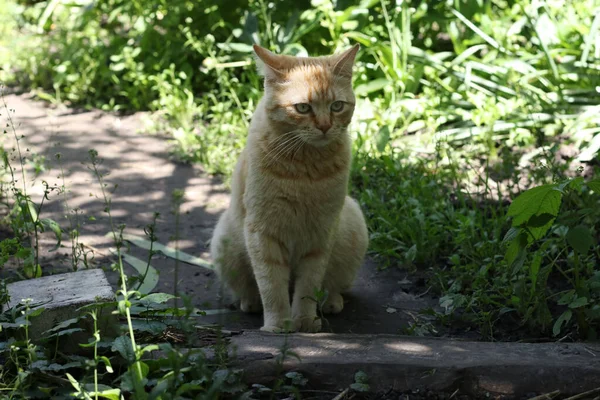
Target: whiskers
(288, 143)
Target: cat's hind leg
(347, 255)
(232, 263)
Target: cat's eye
(302, 108)
(337, 106)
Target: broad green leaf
(540, 220)
(151, 326)
(167, 251)
(62, 325)
(515, 252)
(566, 298)
(536, 209)
(411, 253)
(23, 253)
(579, 302)
(35, 312)
(158, 298)
(580, 239)
(124, 347)
(543, 199)
(54, 367)
(563, 319)
(30, 207)
(47, 223)
(103, 391)
(66, 332)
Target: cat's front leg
(272, 273)
(309, 276)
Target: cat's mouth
(320, 140)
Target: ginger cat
(290, 221)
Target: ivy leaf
(580, 239)
(563, 319)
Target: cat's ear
(345, 61)
(269, 64)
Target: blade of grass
(143, 268)
(167, 251)
(479, 32)
(466, 54)
(544, 44)
(589, 39)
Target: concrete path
(142, 177)
(396, 363)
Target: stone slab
(60, 295)
(407, 363)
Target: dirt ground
(141, 178)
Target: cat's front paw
(307, 323)
(287, 328)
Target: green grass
(461, 106)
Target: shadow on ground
(140, 179)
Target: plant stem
(123, 277)
(177, 200)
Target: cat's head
(310, 97)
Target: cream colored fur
(290, 223)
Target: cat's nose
(324, 127)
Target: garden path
(141, 178)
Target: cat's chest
(297, 205)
